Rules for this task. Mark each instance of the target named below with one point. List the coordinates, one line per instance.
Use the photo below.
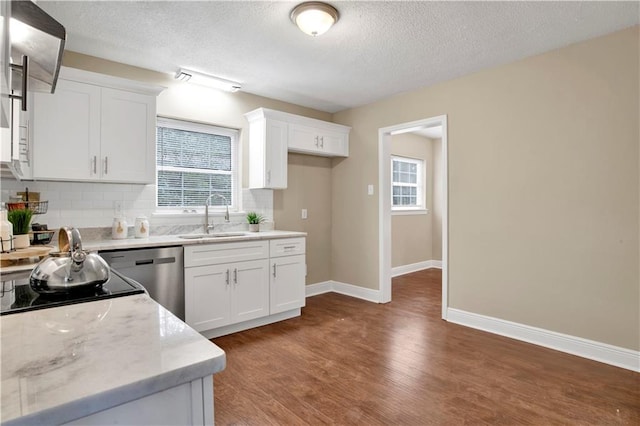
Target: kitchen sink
(212, 235)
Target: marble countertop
(162, 241)
(63, 363)
(175, 240)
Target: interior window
(407, 183)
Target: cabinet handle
(269, 177)
(227, 279)
(274, 270)
(235, 275)
(25, 78)
(288, 247)
(95, 164)
(106, 165)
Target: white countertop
(174, 240)
(63, 363)
(163, 241)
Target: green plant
(254, 218)
(21, 219)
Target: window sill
(406, 212)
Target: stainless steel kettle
(70, 270)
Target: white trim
(597, 351)
(104, 80)
(358, 292)
(246, 325)
(407, 212)
(318, 288)
(384, 205)
(415, 267)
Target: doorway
(384, 222)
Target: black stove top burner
(16, 294)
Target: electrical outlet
(117, 208)
(304, 213)
(370, 189)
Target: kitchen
(341, 227)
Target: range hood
(41, 39)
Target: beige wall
(411, 235)
(309, 187)
(309, 177)
(543, 189)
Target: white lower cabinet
(286, 292)
(187, 404)
(239, 285)
(220, 295)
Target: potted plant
(21, 220)
(254, 219)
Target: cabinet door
(276, 154)
(333, 144)
(303, 139)
(66, 132)
(128, 137)
(207, 296)
(250, 282)
(267, 154)
(287, 283)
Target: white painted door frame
(384, 213)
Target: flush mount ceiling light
(314, 17)
(207, 80)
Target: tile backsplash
(92, 205)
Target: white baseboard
(415, 267)
(318, 288)
(597, 351)
(342, 288)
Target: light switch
(304, 213)
(370, 190)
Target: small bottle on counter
(142, 227)
(6, 232)
(119, 229)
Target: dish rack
(37, 207)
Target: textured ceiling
(377, 49)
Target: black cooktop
(17, 296)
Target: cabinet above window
(274, 133)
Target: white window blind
(194, 161)
(407, 175)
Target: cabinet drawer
(213, 254)
(287, 247)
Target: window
(194, 161)
(407, 183)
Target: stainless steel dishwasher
(159, 270)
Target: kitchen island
(125, 360)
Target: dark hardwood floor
(347, 361)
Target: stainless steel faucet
(207, 225)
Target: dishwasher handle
(157, 261)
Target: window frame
(236, 172)
(421, 186)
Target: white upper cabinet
(66, 132)
(267, 151)
(127, 136)
(95, 128)
(274, 133)
(318, 140)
